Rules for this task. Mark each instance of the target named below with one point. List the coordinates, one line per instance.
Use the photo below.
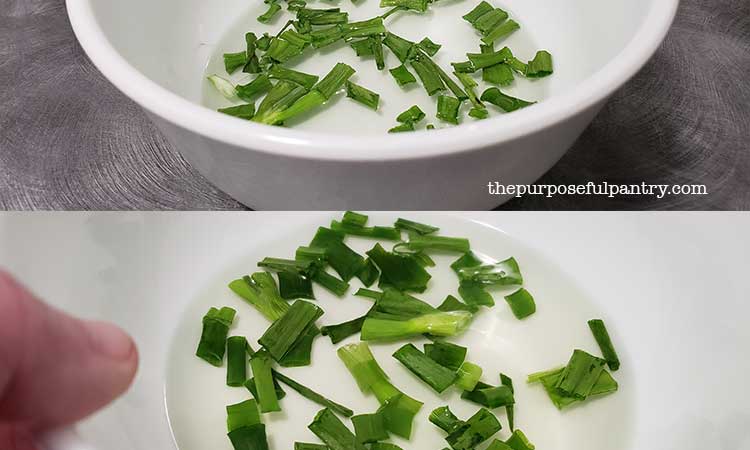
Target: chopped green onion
(333, 432)
(308, 446)
(480, 427)
(400, 304)
(301, 78)
(474, 293)
(444, 77)
(312, 395)
(489, 59)
(384, 446)
(283, 95)
(368, 293)
(540, 66)
(437, 324)
(259, 86)
(604, 385)
(242, 111)
(264, 382)
(468, 376)
(490, 21)
(521, 303)
(400, 47)
(509, 412)
(252, 437)
(369, 428)
(363, 47)
(446, 354)
(341, 331)
(503, 273)
(411, 115)
(296, 38)
(443, 243)
(490, 396)
(497, 444)
(430, 78)
(501, 31)
(236, 361)
(580, 375)
(355, 219)
(429, 47)
(252, 65)
(329, 18)
(447, 109)
(233, 61)
(335, 80)
(362, 95)
(402, 272)
(409, 225)
(605, 343)
(414, 5)
(293, 286)
(242, 414)
(435, 375)
(282, 334)
(326, 36)
(479, 113)
(224, 86)
(345, 261)
(369, 273)
(478, 11)
(301, 352)
(503, 101)
(259, 290)
(469, 84)
(518, 66)
(398, 413)
(376, 232)
(500, 73)
(273, 9)
(537, 377)
(467, 260)
(250, 386)
(519, 441)
(377, 50)
(464, 67)
(364, 28)
(451, 303)
(213, 343)
(408, 126)
(444, 419)
(281, 51)
(264, 42)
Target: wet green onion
(447, 109)
(304, 79)
(411, 115)
(233, 61)
(249, 438)
(501, 31)
(437, 324)
(236, 361)
(468, 376)
(260, 362)
(369, 428)
(242, 414)
(213, 342)
(605, 343)
(425, 368)
(410, 225)
(521, 303)
(404, 127)
(312, 395)
(362, 95)
(429, 47)
(446, 354)
(223, 86)
(259, 86)
(402, 272)
(503, 101)
(260, 291)
(242, 111)
(519, 441)
(282, 334)
(402, 75)
(333, 432)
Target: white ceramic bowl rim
(338, 147)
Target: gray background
(70, 140)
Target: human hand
(54, 369)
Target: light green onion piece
(362, 95)
(521, 303)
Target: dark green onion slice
(213, 342)
(282, 334)
(402, 272)
(429, 47)
(398, 413)
(369, 27)
(250, 386)
(345, 261)
(376, 232)
(503, 101)
(362, 95)
(309, 446)
(369, 273)
(296, 38)
(369, 428)
(446, 354)
(501, 31)
(409, 225)
(503, 273)
(489, 59)
(414, 5)
(490, 396)
(479, 113)
(293, 286)
(333, 432)
(241, 111)
(509, 410)
(304, 79)
(599, 330)
(334, 80)
(236, 361)
(273, 9)
(397, 303)
(540, 66)
(324, 37)
(252, 65)
(260, 362)
(301, 352)
(363, 47)
(521, 303)
(478, 11)
(403, 127)
(233, 61)
(447, 109)
(425, 368)
(467, 260)
(400, 47)
(355, 219)
(242, 414)
(252, 437)
(312, 395)
(497, 444)
(411, 115)
(384, 446)
(451, 303)
(519, 441)
(477, 429)
(259, 86)
(402, 75)
(339, 332)
(487, 22)
(474, 293)
(430, 77)
(464, 67)
(580, 375)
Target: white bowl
(157, 53)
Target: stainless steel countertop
(70, 140)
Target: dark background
(70, 140)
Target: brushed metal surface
(69, 140)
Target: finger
(56, 369)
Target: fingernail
(110, 340)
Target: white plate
(670, 288)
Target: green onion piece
(509, 412)
(400, 304)
(437, 324)
(283, 95)
(537, 377)
(517, 65)
(259, 290)
(377, 49)
(355, 219)
(474, 293)
(519, 441)
(503, 273)
(400, 47)
(369, 428)
(423, 259)
(233, 61)
(330, 282)
(479, 113)
(540, 66)
(521, 303)
(399, 413)
(243, 414)
(444, 77)
(478, 11)
(580, 375)
(252, 65)
(293, 286)
(490, 396)
(312, 395)
(301, 352)
(490, 21)
(236, 361)
(264, 42)
(501, 31)
(299, 106)
(500, 74)
(333, 432)
(467, 260)
(409, 225)
(259, 86)
(414, 5)
(430, 78)
(335, 80)
(282, 334)
(503, 101)
(264, 382)
(326, 36)
(429, 47)
(447, 109)
(411, 115)
(363, 47)
(250, 386)
(339, 332)
(309, 13)
(451, 303)
(489, 59)
(468, 376)
(444, 419)
(249, 438)
(301, 78)
(362, 95)
(404, 127)
(273, 9)
(213, 341)
(376, 232)
(443, 243)
(309, 446)
(391, 11)
(310, 254)
(480, 427)
(364, 28)
(402, 272)
(469, 84)
(384, 446)
(296, 38)
(425, 368)
(345, 261)
(369, 273)
(368, 293)
(605, 343)
(282, 51)
(224, 86)
(446, 354)
(286, 265)
(498, 445)
(604, 385)
(329, 18)
(242, 111)
(464, 67)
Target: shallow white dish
(679, 329)
(157, 53)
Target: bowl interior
(176, 43)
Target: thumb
(56, 369)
